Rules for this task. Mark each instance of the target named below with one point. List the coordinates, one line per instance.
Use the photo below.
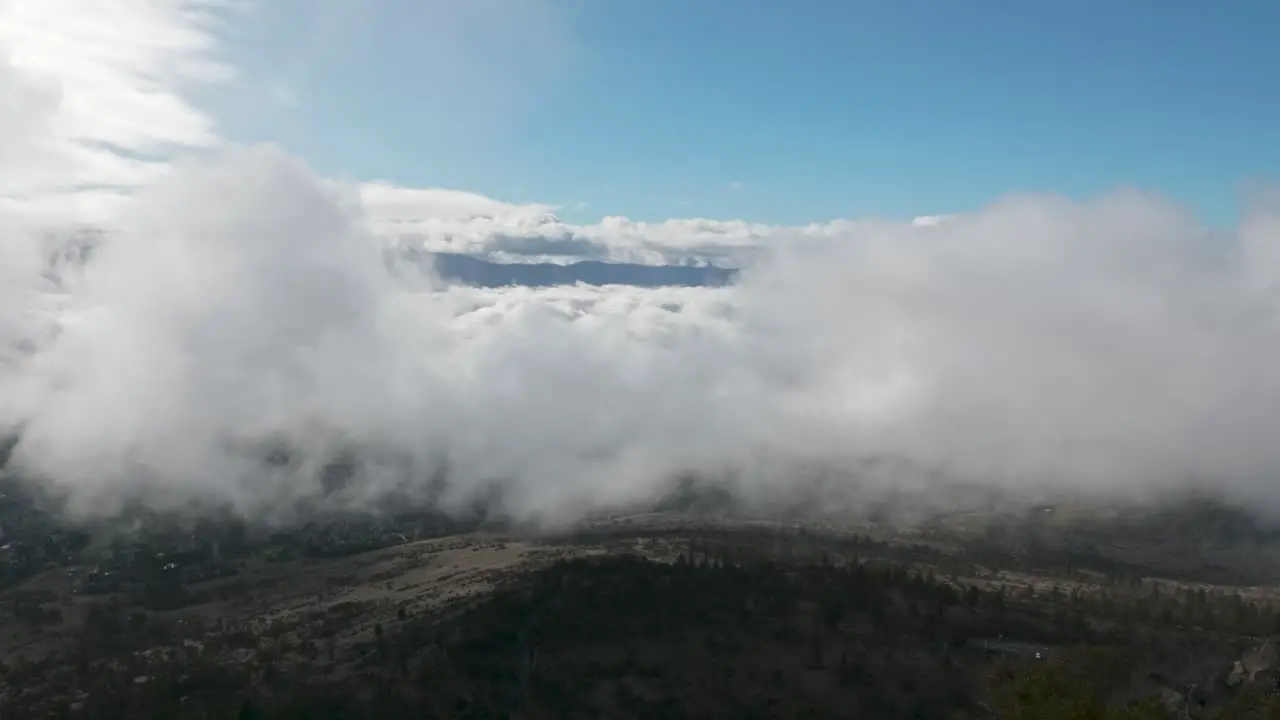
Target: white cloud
(930, 220)
(440, 220)
(1107, 346)
(400, 209)
(97, 86)
(91, 104)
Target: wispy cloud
(101, 86)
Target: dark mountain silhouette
(470, 270)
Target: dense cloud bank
(466, 224)
(1107, 346)
(249, 334)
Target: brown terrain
(656, 615)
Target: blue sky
(780, 112)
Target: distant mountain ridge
(469, 270)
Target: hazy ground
(430, 574)
(325, 618)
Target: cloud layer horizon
(237, 301)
